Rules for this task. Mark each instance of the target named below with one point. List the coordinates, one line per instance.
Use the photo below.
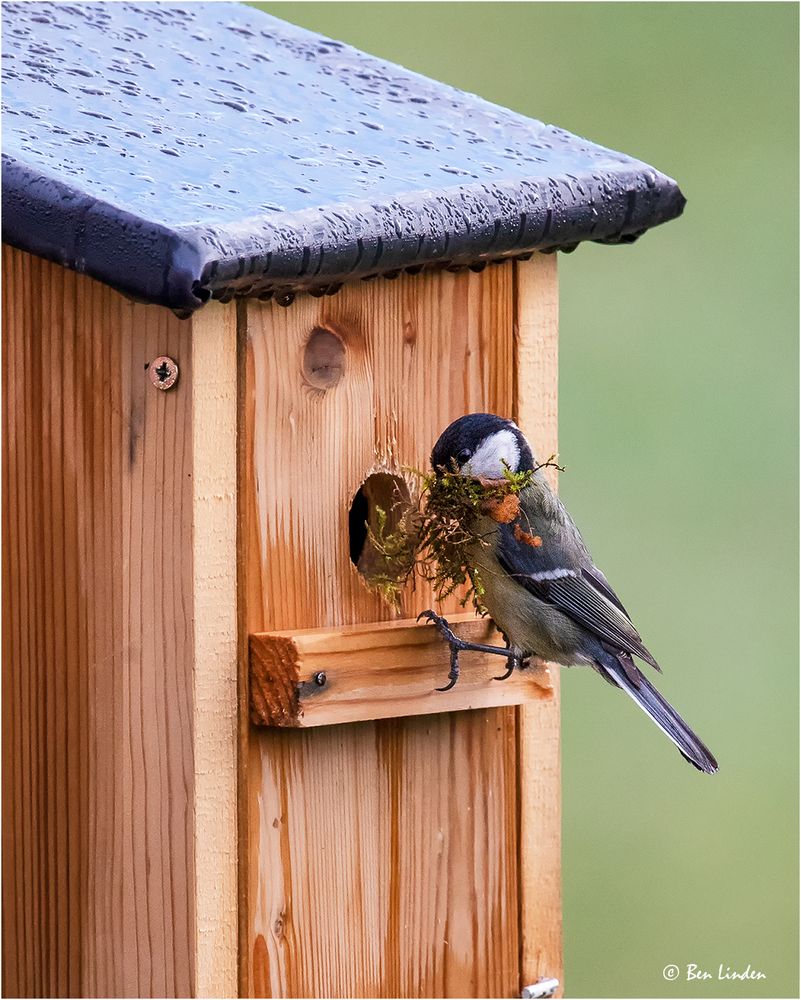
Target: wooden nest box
(225, 767)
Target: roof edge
(460, 226)
(316, 250)
(160, 265)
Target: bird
(540, 585)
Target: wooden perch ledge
(323, 676)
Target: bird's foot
(453, 673)
(515, 660)
(458, 645)
(442, 626)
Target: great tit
(539, 582)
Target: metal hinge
(544, 987)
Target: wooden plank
(398, 845)
(384, 670)
(418, 355)
(214, 404)
(98, 860)
(383, 857)
(536, 344)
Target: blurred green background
(678, 427)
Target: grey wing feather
(560, 572)
(599, 581)
(578, 598)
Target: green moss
(434, 536)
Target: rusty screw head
(163, 373)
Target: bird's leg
(458, 645)
(453, 673)
(540, 672)
(515, 660)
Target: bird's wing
(554, 568)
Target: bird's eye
(464, 455)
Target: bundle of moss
(432, 537)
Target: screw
(163, 373)
(320, 679)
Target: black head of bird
(482, 445)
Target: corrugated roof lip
(141, 258)
(317, 249)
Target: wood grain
(98, 832)
(383, 857)
(394, 852)
(536, 344)
(386, 858)
(381, 670)
(214, 406)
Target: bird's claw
(453, 673)
(509, 672)
(444, 629)
(514, 661)
(456, 645)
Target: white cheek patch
(489, 458)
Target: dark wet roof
(182, 151)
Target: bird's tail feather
(641, 691)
